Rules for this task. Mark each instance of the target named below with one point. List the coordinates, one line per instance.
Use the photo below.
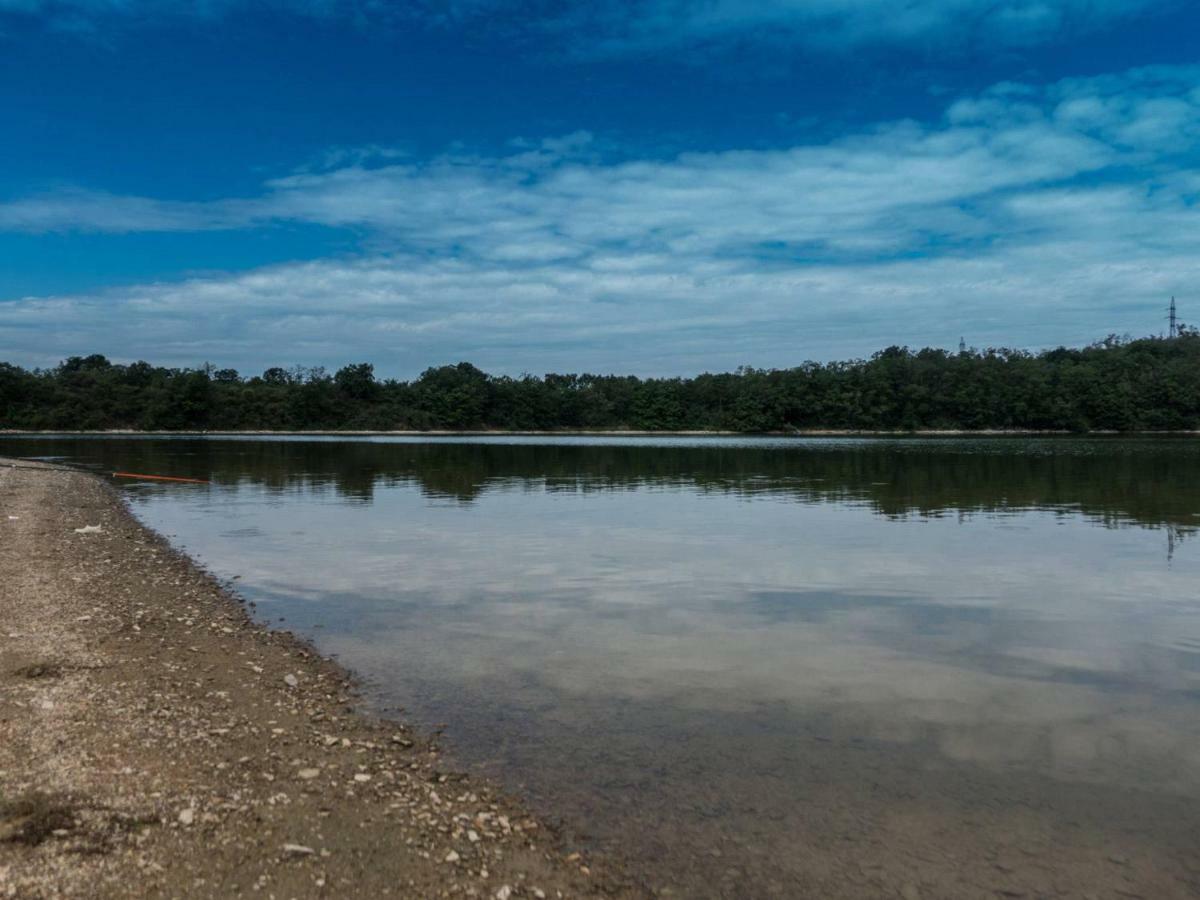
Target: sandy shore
(156, 742)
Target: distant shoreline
(796, 433)
(1118, 385)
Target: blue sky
(659, 187)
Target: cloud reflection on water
(1044, 644)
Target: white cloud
(99, 211)
(1027, 215)
(886, 190)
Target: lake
(829, 667)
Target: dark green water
(827, 668)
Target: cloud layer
(1025, 215)
(619, 27)
(625, 26)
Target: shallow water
(828, 668)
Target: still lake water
(830, 668)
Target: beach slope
(155, 741)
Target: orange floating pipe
(160, 477)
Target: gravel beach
(156, 742)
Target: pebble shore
(155, 741)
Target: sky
(660, 187)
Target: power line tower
(1174, 327)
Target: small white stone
(308, 774)
(360, 777)
(290, 680)
(187, 816)
(503, 892)
(298, 850)
(452, 857)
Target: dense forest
(1117, 384)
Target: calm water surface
(828, 668)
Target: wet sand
(155, 741)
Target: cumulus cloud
(1026, 214)
(892, 189)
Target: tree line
(1118, 384)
